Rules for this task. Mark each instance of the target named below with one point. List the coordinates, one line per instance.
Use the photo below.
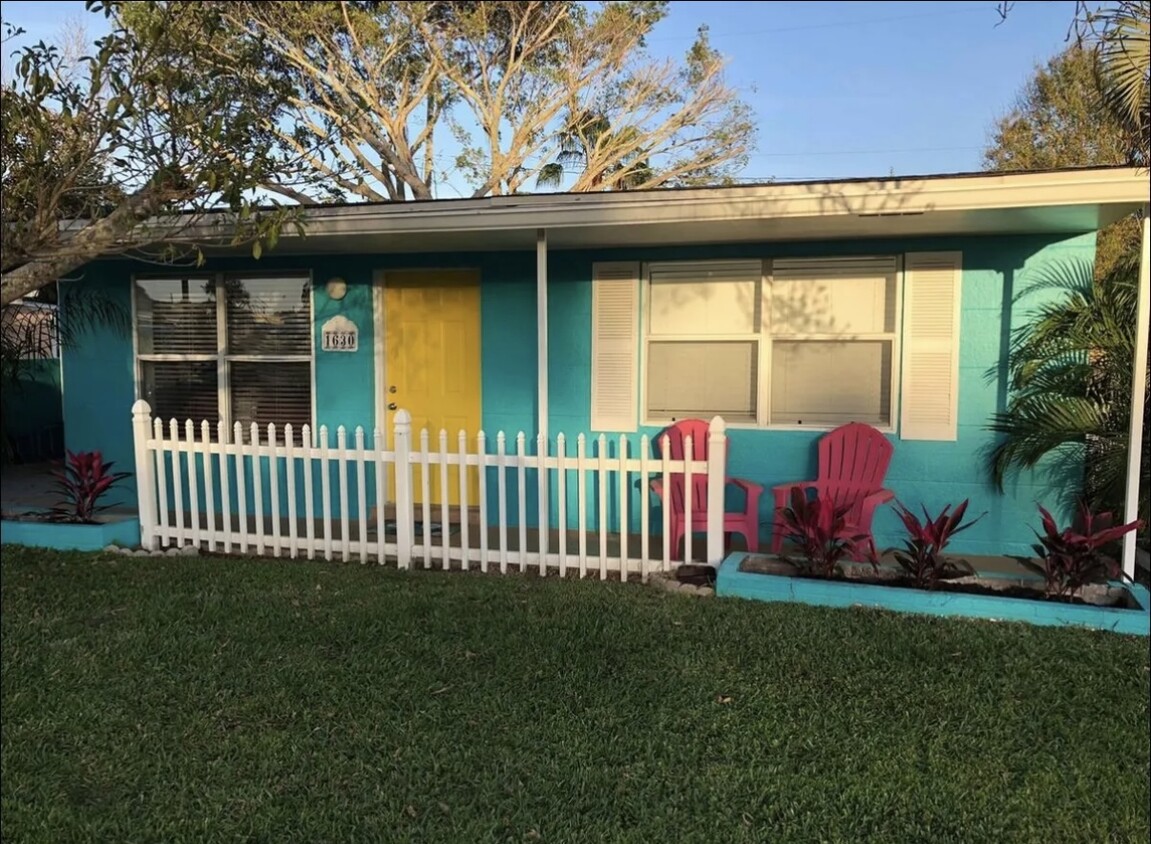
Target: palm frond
(1070, 372)
(1039, 425)
(550, 175)
(1125, 68)
(84, 308)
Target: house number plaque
(339, 334)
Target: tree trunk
(97, 238)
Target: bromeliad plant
(83, 481)
(1071, 558)
(922, 553)
(821, 531)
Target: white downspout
(542, 383)
(1138, 395)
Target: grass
(215, 699)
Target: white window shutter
(931, 297)
(615, 346)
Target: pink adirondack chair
(853, 461)
(744, 522)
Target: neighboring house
(29, 330)
(30, 407)
(786, 308)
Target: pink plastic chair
(744, 522)
(853, 461)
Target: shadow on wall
(1065, 379)
(32, 413)
(31, 407)
(931, 473)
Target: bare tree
(382, 91)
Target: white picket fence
(222, 493)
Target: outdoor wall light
(337, 288)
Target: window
(30, 331)
(790, 342)
(232, 348)
(833, 341)
(704, 336)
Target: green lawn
(170, 700)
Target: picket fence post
(405, 514)
(145, 475)
(716, 479)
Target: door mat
(434, 528)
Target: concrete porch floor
(27, 486)
(31, 486)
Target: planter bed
(1120, 607)
(31, 528)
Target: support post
(716, 480)
(145, 475)
(405, 514)
(1138, 395)
(542, 439)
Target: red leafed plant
(84, 478)
(922, 553)
(821, 531)
(1071, 558)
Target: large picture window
(785, 343)
(231, 348)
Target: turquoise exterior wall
(97, 371)
(100, 373)
(995, 271)
(32, 409)
(99, 388)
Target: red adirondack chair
(744, 522)
(853, 461)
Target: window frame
(222, 358)
(765, 339)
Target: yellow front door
(432, 337)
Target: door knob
(392, 405)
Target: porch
(27, 486)
(495, 535)
(30, 489)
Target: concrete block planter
(1133, 619)
(121, 530)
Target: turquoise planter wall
(124, 532)
(1132, 621)
(99, 374)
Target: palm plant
(584, 134)
(1071, 367)
(22, 341)
(1070, 370)
(1122, 33)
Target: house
(787, 309)
(30, 406)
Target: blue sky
(838, 88)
